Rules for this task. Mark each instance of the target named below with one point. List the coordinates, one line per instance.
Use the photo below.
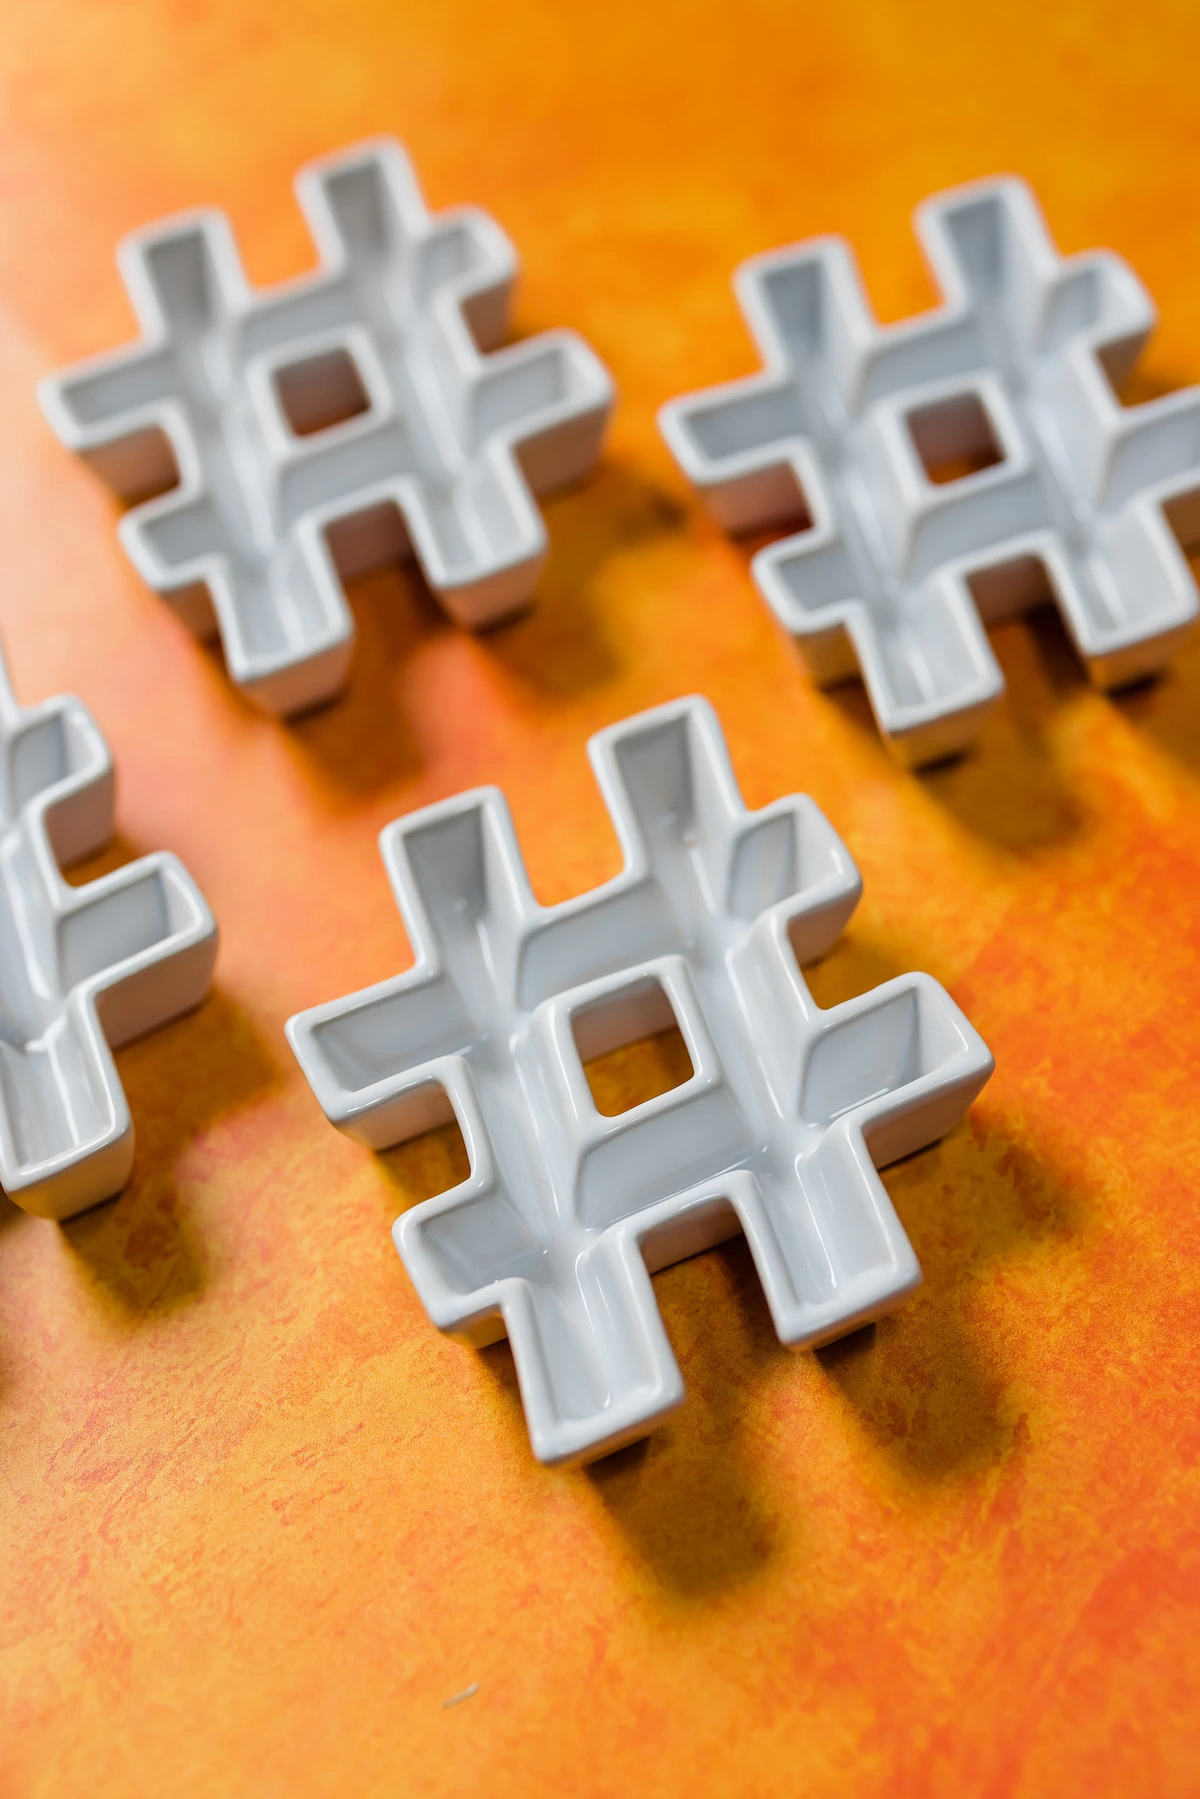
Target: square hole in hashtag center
(954, 438)
(631, 1047)
(321, 391)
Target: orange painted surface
(259, 1521)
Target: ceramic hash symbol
(553, 1236)
(80, 967)
(328, 425)
(956, 468)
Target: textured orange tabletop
(259, 1520)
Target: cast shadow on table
(921, 1388)
(925, 1389)
(1005, 788)
(686, 1498)
(556, 646)
(361, 739)
(1167, 710)
(142, 1251)
(924, 1386)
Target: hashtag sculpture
(82, 968)
(323, 427)
(956, 468)
(552, 1238)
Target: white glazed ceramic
(894, 572)
(81, 968)
(566, 1212)
(332, 423)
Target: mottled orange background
(259, 1520)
